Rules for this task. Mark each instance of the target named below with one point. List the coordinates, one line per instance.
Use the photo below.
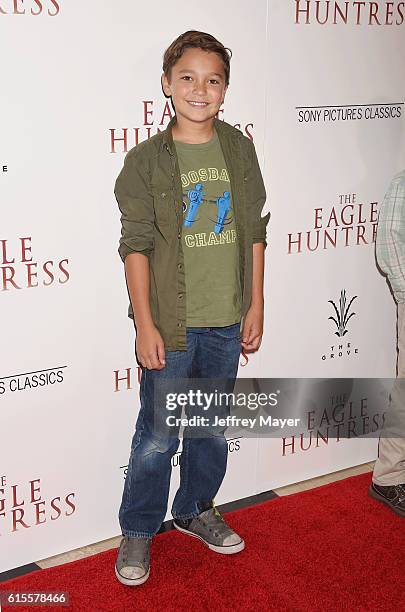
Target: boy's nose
(199, 88)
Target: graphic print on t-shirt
(209, 238)
(196, 199)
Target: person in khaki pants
(388, 483)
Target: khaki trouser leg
(389, 468)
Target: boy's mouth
(197, 104)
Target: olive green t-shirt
(209, 239)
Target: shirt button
(180, 295)
(179, 266)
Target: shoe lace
(138, 552)
(400, 489)
(216, 522)
(217, 512)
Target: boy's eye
(186, 77)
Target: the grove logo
(349, 13)
(341, 349)
(30, 7)
(342, 313)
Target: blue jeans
(213, 352)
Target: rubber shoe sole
(223, 550)
(133, 581)
(382, 499)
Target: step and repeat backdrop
(318, 87)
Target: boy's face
(197, 85)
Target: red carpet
(331, 548)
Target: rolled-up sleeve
(256, 197)
(135, 202)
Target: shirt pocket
(162, 200)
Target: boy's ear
(165, 85)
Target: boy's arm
(256, 198)
(138, 281)
(136, 245)
(136, 205)
(258, 274)
(390, 241)
(150, 347)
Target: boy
(193, 244)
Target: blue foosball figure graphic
(224, 205)
(195, 197)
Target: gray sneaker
(211, 528)
(133, 563)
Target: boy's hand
(253, 328)
(150, 348)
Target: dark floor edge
(245, 502)
(238, 504)
(19, 571)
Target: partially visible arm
(138, 280)
(149, 343)
(136, 246)
(258, 274)
(254, 320)
(390, 241)
(256, 198)
(136, 205)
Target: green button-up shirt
(149, 195)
